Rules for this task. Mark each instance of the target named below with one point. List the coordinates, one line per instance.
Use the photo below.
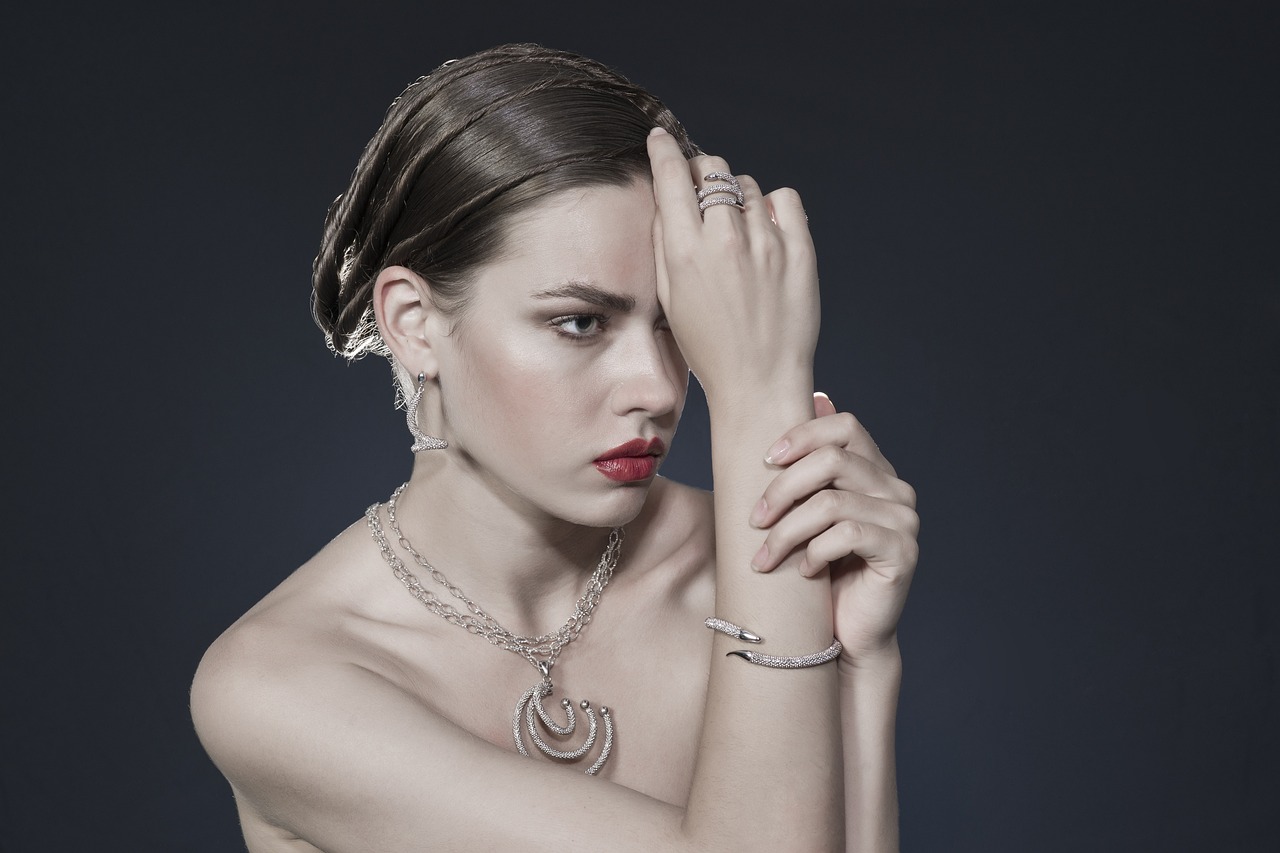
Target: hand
(739, 287)
(840, 500)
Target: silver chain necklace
(541, 651)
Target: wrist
(885, 659)
(787, 397)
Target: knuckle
(787, 195)
(831, 457)
(910, 554)
(907, 494)
(852, 531)
(830, 501)
(911, 522)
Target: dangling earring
(421, 441)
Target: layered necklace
(541, 651)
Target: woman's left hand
(841, 501)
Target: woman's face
(564, 355)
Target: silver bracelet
(732, 630)
(829, 654)
(777, 661)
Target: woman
(544, 256)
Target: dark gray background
(1047, 241)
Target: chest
(649, 668)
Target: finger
(756, 210)
(842, 429)
(820, 513)
(822, 405)
(836, 468)
(886, 552)
(700, 170)
(677, 202)
(788, 213)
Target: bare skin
(347, 717)
(343, 609)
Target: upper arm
(350, 762)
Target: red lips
(635, 460)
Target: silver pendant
(531, 703)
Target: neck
(523, 567)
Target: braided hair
(460, 152)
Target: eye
(579, 325)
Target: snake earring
(421, 441)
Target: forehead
(600, 234)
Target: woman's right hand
(739, 287)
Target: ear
(407, 319)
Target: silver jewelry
(421, 441)
(830, 653)
(734, 190)
(777, 661)
(732, 630)
(719, 199)
(726, 193)
(541, 651)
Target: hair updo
(459, 153)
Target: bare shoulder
(259, 683)
(328, 750)
(308, 737)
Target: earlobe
(403, 309)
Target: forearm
(868, 708)
(769, 768)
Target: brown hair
(459, 153)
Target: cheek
(523, 391)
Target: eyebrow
(589, 293)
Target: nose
(653, 376)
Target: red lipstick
(635, 460)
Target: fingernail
(758, 514)
(777, 452)
(657, 131)
(761, 556)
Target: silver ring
(731, 189)
(719, 199)
(728, 192)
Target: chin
(619, 507)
